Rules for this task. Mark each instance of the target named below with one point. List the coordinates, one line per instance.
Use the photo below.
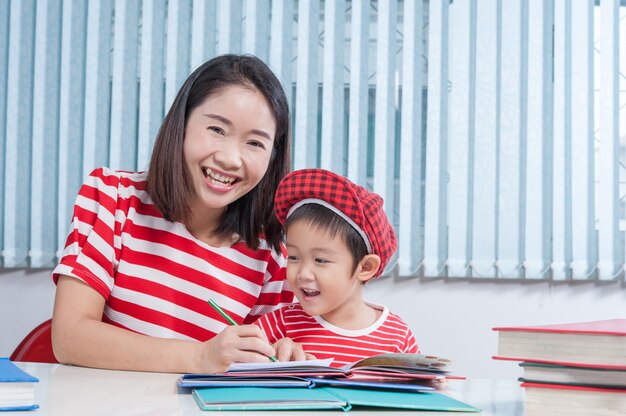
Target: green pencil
(229, 319)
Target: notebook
(222, 380)
(323, 398)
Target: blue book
(322, 398)
(17, 387)
(222, 380)
(369, 384)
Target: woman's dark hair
(251, 216)
(322, 218)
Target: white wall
(450, 318)
(453, 318)
(26, 300)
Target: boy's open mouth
(309, 292)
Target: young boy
(338, 238)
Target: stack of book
(401, 381)
(569, 369)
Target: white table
(68, 391)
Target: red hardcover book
(598, 344)
(557, 399)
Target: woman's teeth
(217, 178)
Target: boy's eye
(321, 261)
(292, 258)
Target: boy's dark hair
(325, 219)
(251, 216)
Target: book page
(279, 365)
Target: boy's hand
(288, 350)
(438, 383)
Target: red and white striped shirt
(155, 276)
(324, 340)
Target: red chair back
(36, 346)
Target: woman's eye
(257, 143)
(217, 130)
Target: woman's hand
(235, 344)
(288, 350)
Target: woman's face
(227, 147)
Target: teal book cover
(266, 398)
(401, 400)
(261, 398)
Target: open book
(381, 366)
(398, 371)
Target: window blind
(494, 130)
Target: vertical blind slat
(281, 38)
(462, 66)
(509, 141)
(384, 129)
(436, 140)
(359, 92)
(123, 147)
(229, 29)
(97, 86)
(305, 138)
(45, 134)
(483, 153)
(4, 71)
(332, 140)
(257, 26)
(582, 146)
(203, 35)
(539, 114)
(561, 206)
(177, 52)
(18, 134)
(151, 93)
(608, 131)
(622, 126)
(71, 118)
(410, 206)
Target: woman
(148, 249)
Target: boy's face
(320, 272)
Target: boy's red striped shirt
(324, 340)
(154, 275)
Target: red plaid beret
(361, 208)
